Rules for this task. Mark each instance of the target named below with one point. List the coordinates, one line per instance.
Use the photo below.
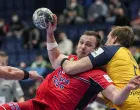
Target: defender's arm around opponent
(111, 92)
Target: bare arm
(55, 52)
(119, 96)
(97, 58)
(73, 67)
(12, 73)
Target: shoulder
(103, 55)
(107, 50)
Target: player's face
(86, 45)
(3, 61)
(110, 40)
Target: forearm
(11, 73)
(115, 95)
(74, 67)
(54, 53)
(121, 96)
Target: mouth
(82, 53)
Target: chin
(81, 56)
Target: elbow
(67, 70)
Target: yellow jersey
(121, 67)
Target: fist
(134, 83)
(35, 75)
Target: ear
(114, 39)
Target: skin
(86, 45)
(4, 62)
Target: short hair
(124, 34)
(96, 35)
(3, 54)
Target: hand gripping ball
(41, 18)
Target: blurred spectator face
(15, 18)
(3, 60)
(1, 22)
(22, 65)
(39, 59)
(86, 45)
(114, 1)
(119, 11)
(98, 2)
(73, 4)
(62, 35)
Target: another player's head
(3, 58)
(89, 41)
(121, 36)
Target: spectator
(40, 62)
(9, 89)
(16, 26)
(73, 14)
(3, 30)
(65, 45)
(97, 12)
(136, 26)
(121, 19)
(32, 38)
(22, 65)
(114, 6)
(136, 22)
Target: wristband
(26, 74)
(63, 61)
(51, 46)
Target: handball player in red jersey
(60, 91)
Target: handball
(41, 18)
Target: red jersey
(64, 92)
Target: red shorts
(27, 105)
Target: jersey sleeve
(102, 55)
(101, 78)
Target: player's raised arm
(119, 96)
(12, 73)
(97, 58)
(53, 51)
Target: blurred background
(25, 44)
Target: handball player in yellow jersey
(117, 61)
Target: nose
(83, 46)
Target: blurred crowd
(75, 14)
